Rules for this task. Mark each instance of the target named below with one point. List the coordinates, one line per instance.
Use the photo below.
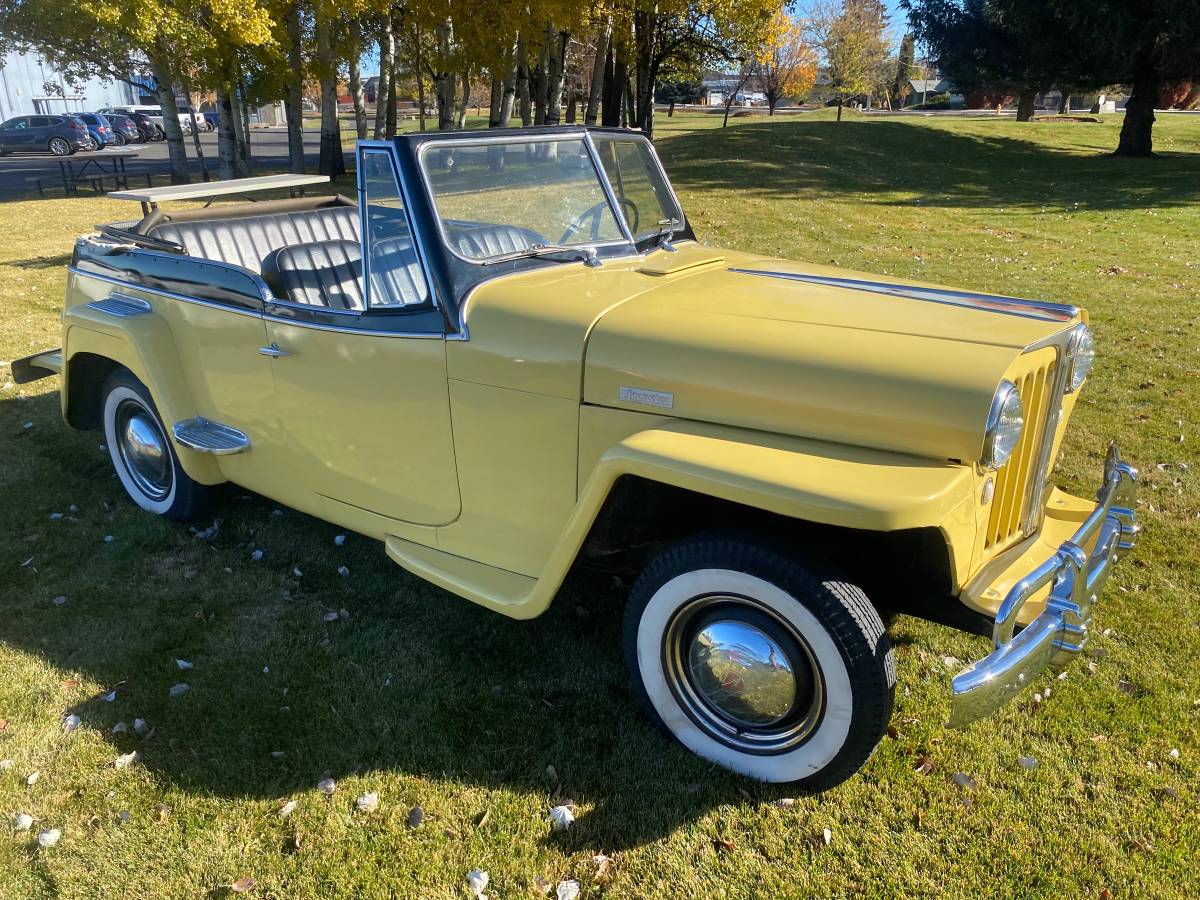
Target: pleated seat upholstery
(329, 273)
(247, 240)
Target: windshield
(642, 191)
(510, 195)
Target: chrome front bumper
(1057, 635)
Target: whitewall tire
(774, 669)
(143, 455)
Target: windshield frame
(627, 240)
(635, 137)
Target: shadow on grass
(413, 681)
(39, 262)
(931, 165)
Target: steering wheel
(629, 209)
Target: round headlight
(1083, 356)
(1006, 418)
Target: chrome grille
(1015, 489)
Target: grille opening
(1014, 492)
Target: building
(717, 86)
(29, 85)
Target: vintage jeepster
(511, 354)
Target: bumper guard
(1057, 635)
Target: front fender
(143, 345)
(814, 481)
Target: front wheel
(768, 666)
(143, 455)
(60, 146)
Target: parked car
(512, 355)
(147, 129)
(99, 129)
(185, 119)
(124, 129)
(60, 135)
(152, 114)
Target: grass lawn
(430, 701)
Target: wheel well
(640, 517)
(86, 374)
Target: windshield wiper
(667, 229)
(548, 251)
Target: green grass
(428, 700)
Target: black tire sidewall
(842, 611)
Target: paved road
(18, 172)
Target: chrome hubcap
(743, 674)
(144, 450)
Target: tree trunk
(226, 137)
(596, 90)
(1026, 106)
(540, 79)
(841, 100)
(332, 162)
(554, 77)
(1137, 131)
(295, 92)
(444, 84)
(523, 86)
(389, 121)
(494, 101)
(610, 106)
(241, 129)
(356, 94)
(644, 71)
(420, 69)
(1064, 103)
(771, 105)
(187, 95)
(572, 107)
(164, 90)
(464, 101)
(383, 91)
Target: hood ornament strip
(1009, 306)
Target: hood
(814, 352)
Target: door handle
(272, 350)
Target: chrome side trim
(1008, 306)
(207, 436)
(160, 292)
(342, 329)
(1076, 578)
(122, 306)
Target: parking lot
(19, 172)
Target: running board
(210, 437)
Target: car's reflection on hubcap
(741, 672)
(144, 450)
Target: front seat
(325, 273)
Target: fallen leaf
(1173, 753)
(924, 765)
(178, 690)
(477, 882)
(327, 786)
(49, 838)
(483, 819)
(561, 818)
(5, 765)
(338, 541)
(1169, 792)
(23, 822)
(32, 778)
(567, 890)
(243, 885)
(110, 697)
(3, 724)
(70, 723)
(140, 727)
(162, 812)
(367, 803)
(415, 815)
(278, 754)
(183, 664)
(1027, 762)
(287, 809)
(541, 885)
(256, 555)
(724, 844)
(785, 802)
(552, 774)
(69, 684)
(343, 571)
(603, 866)
(127, 759)
(964, 781)
(120, 728)
(330, 616)
(59, 601)
(827, 836)
(1128, 687)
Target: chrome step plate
(122, 306)
(210, 437)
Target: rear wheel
(769, 666)
(119, 138)
(143, 455)
(60, 146)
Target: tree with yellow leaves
(787, 62)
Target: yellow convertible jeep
(511, 354)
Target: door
(360, 365)
(39, 132)
(14, 134)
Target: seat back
(247, 240)
(324, 273)
(480, 241)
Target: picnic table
(98, 166)
(151, 197)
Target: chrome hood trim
(1008, 306)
